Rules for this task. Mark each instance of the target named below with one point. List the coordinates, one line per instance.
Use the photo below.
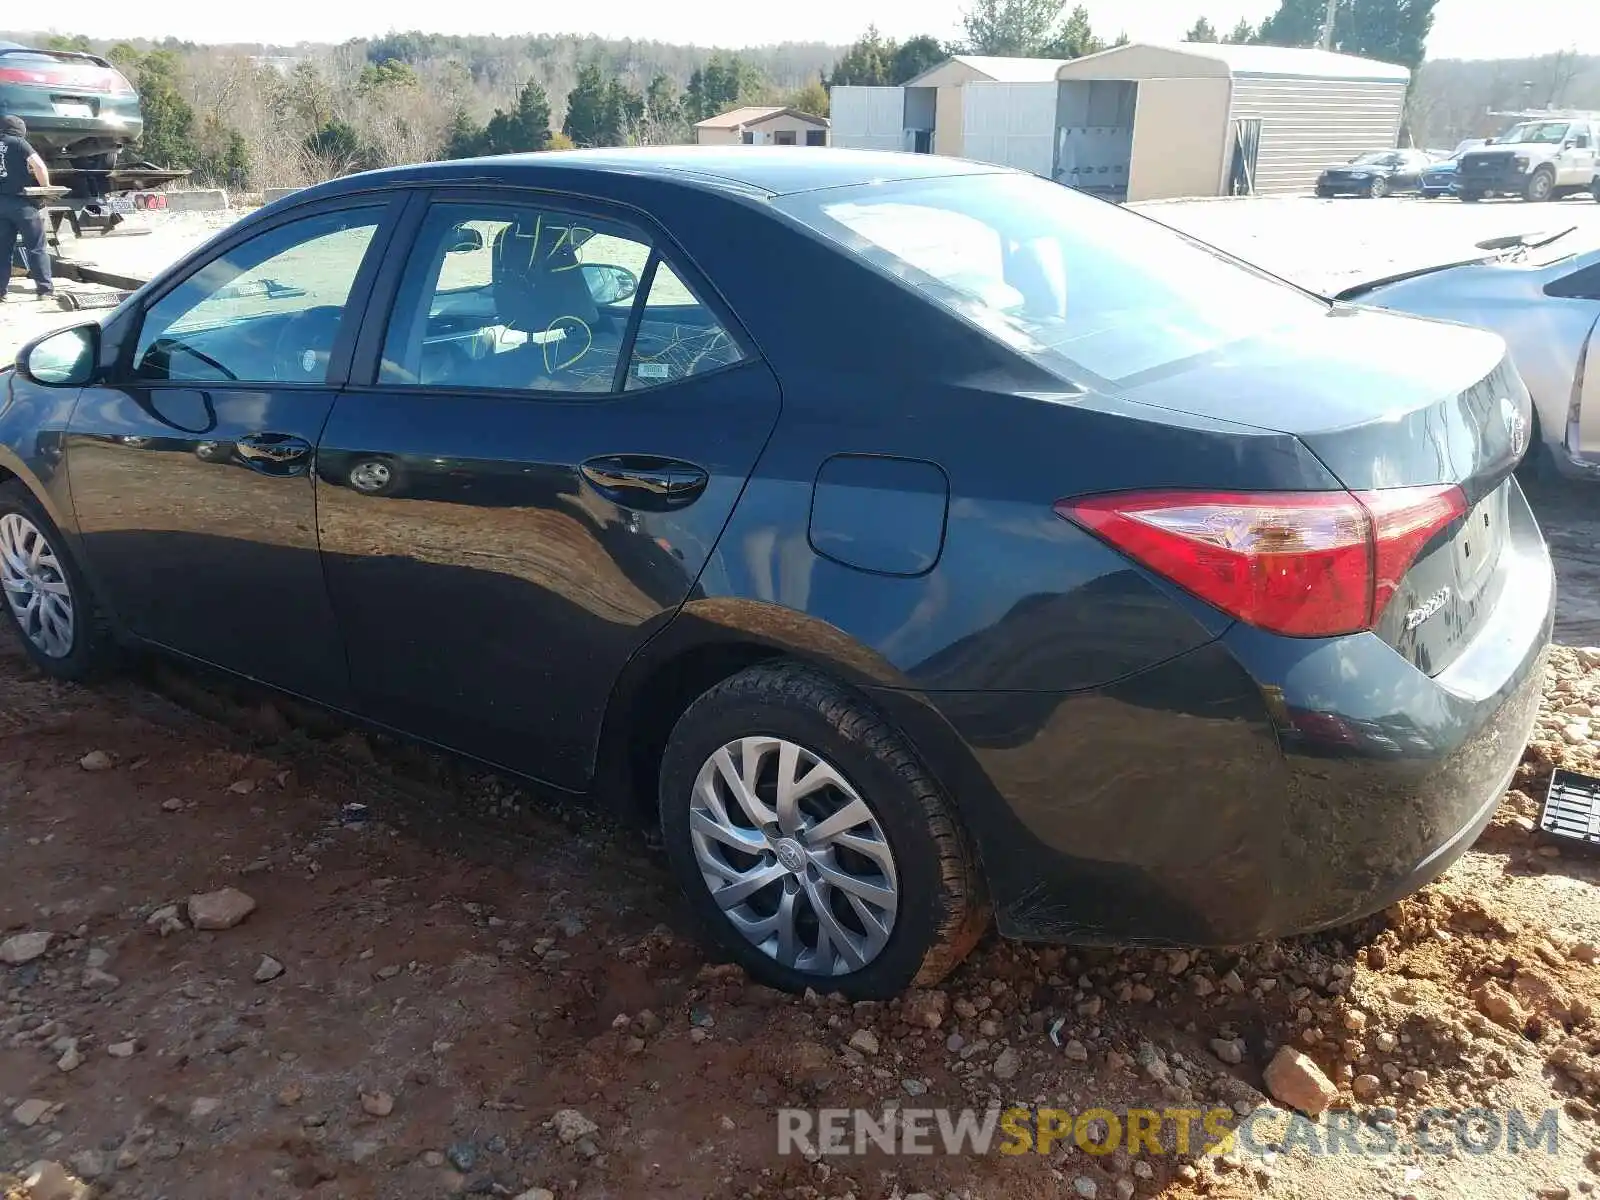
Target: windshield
(1378, 158)
(1552, 132)
(1075, 283)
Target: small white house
(1142, 121)
(762, 126)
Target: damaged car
(1541, 292)
(1009, 558)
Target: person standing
(19, 215)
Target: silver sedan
(1542, 294)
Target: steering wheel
(304, 345)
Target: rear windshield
(1075, 283)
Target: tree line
(258, 116)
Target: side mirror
(464, 239)
(1488, 141)
(608, 284)
(66, 358)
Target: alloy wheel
(1378, 188)
(35, 585)
(793, 856)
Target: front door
(1575, 166)
(556, 434)
(191, 472)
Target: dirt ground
(446, 981)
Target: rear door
(191, 467)
(553, 424)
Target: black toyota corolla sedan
(923, 543)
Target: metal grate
(1572, 808)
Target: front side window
(517, 298)
(267, 311)
(1074, 283)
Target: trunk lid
(1385, 401)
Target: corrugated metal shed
(989, 69)
(1314, 107)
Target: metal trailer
(97, 201)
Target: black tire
(941, 910)
(1378, 188)
(1541, 186)
(1325, 193)
(93, 650)
(1470, 197)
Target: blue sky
(1462, 29)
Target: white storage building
(1142, 121)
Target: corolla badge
(1427, 608)
(1516, 426)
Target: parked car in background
(1376, 174)
(80, 110)
(1536, 160)
(1006, 554)
(1542, 294)
(1439, 177)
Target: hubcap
(371, 476)
(35, 586)
(793, 856)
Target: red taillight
(72, 77)
(1308, 564)
(120, 85)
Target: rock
(1355, 1020)
(1416, 1078)
(536, 1194)
(242, 787)
(221, 909)
(1298, 1082)
(363, 1150)
(1232, 982)
(29, 1112)
(1007, 1064)
(913, 1087)
(646, 1024)
(865, 1041)
(203, 1107)
(269, 969)
(51, 1181)
(71, 1059)
(24, 947)
(1366, 1087)
(1585, 952)
(570, 1125)
(1085, 1187)
(122, 1049)
(1179, 962)
(377, 1103)
(1575, 734)
(96, 979)
(1143, 1169)
(165, 920)
(1075, 1050)
(925, 1008)
(1497, 1004)
(90, 1164)
(1152, 1062)
(97, 760)
(1125, 1189)
(387, 972)
(432, 1159)
(463, 1156)
(172, 804)
(291, 1095)
(1387, 1042)
(1227, 1050)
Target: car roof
(767, 170)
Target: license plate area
(1476, 548)
(72, 107)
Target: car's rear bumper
(1255, 787)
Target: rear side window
(678, 335)
(1077, 284)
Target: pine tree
(586, 108)
(1201, 31)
